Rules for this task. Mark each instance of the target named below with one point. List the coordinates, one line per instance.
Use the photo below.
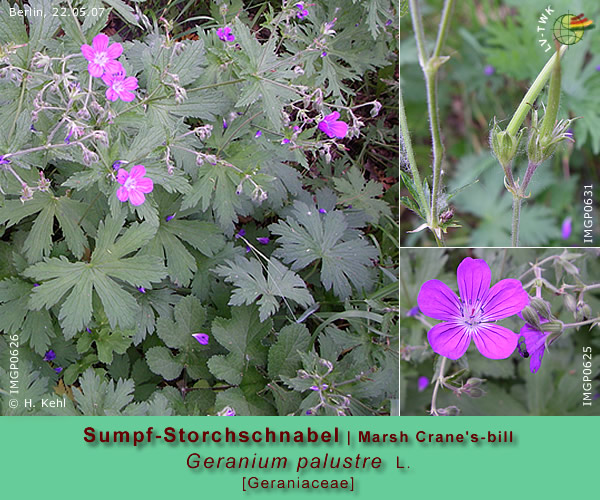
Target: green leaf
(284, 358)
(245, 399)
(252, 286)
(215, 189)
(107, 264)
(38, 243)
(42, 23)
(163, 363)
(242, 336)
(96, 396)
(12, 28)
(363, 195)
(108, 343)
(307, 236)
(124, 10)
(13, 304)
(32, 386)
(190, 318)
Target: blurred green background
(495, 55)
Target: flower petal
(138, 171)
(108, 79)
(449, 339)
(126, 96)
(100, 42)
(95, 69)
(438, 301)
(113, 67)
(122, 176)
(504, 299)
(130, 83)
(536, 346)
(332, 116)
(114, 51)
(474, 278)
(87, 52)
(495, 341)
(145, 185)
(136, 197)
(122, 193)
(111, 95)
(338, 129)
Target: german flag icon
(580, 22)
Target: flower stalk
(430, 66)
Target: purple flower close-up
(302, 11)
(473, 315)
(50, 355)
(322, 211)
(285, 140)
(422, 383)
(134, 185)
(141, 289)
(169, 218)
(566, 228)
(264, 240)
(201, 337)
(258, 134)
(225, 34)
(240, 233)
(4, 161)
(324, 54)
(489, 70)
(535, 341)
(58, 369)
(332, 127)
(101, 57)
(120, 86)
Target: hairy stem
(411, 160)
(581, 323)
(430, 69)
(516, 219)
(438, 382)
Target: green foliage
(104, 296)
(307, 236)
(252, 286)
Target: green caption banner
(329, 457)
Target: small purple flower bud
(247, 249)
(169, 217)
(321, 387)
(36, 284)
(58, 369)
(422, 383)
(141, 289)
(285, 140)
(201, 337)
(258, 134)
(224, 124)
(412, 312)
(68, 138)
(489, 70)
(388, 22)
(322, 211)
(309, 412)
(263, 240)
(566, 228)
(4, 161)
(349, 207)
(229, 413)
(240, 233)
(323, 54)
(598, 68)
(32, 128)
(117, 164)
(88, 330)
(50, 355)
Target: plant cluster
(186, 227)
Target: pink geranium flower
(225, 34)
(101, 57)
(332, 127)
(120, 87)
(473, 315)
(134, 185)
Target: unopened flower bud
(504, 144)
(553, 326)
(570, 303)
(541, 307)
(531, 316)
